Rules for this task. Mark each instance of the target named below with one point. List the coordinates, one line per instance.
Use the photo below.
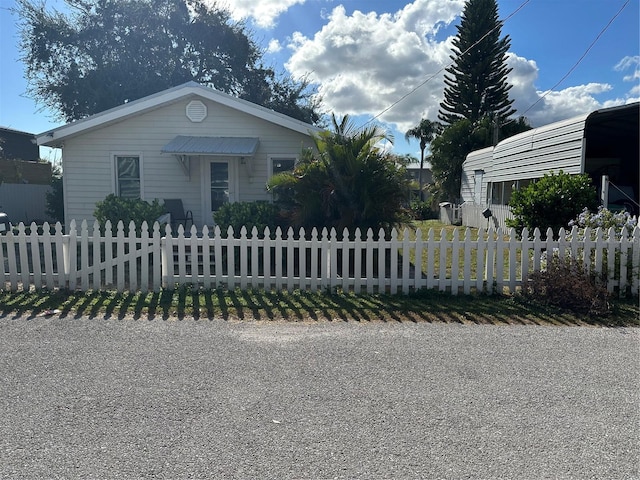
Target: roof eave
(54, 138)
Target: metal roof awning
(232, 146)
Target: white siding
(88, 157)
(477, 160)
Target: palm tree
(425, 132)
(348, 181)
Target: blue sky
(369, 58)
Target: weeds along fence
(462, 262)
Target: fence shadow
(302, 306)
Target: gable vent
(196, 111)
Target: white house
(189, 142)
(603, 142)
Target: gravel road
(111, 399)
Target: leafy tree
(476, 83)
(347, 182)
(424, 132)
(55, 198)
(104, 53)
(553, 201)
(450, 149)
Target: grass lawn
(297, 306)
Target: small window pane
(283, 165)
(129, 188)
(219, 185)
(508, 190)
(496, 193)
(128, 176)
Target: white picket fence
(492, 260)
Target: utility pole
(496, 128)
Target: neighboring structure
(17, 145)
(24, 180)
(413, 172)
(189, 142)
(603, 142)
(19, 159)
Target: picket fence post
(369, 261)
(290, 246)
(315, 251)
(406, 250)
(417, 274)
(382, 254)
(302, 254)
(48, 257)
(513, 254)
(333, 259)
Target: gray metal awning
(233, 146)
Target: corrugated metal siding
(88, 158)
(24, 202)
(532, 154)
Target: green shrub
(421, 210)
(116, 208)
(553, 201)
(565, 283)
(249, 214)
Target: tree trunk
(420, 173)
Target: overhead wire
(564, 77)
(447, 65)
(575, 65)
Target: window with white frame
(128, 176)
(281, 164)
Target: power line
(575, 65)
(444, 67)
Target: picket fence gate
(144, 260)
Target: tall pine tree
(476, 83)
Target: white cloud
(523, 76)
(274, 46)
(567, 103)
(633, 77)
(629, 63)
(364, 62)
(543, 107)
(263, 13)
(391, 64)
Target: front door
(219, 179)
